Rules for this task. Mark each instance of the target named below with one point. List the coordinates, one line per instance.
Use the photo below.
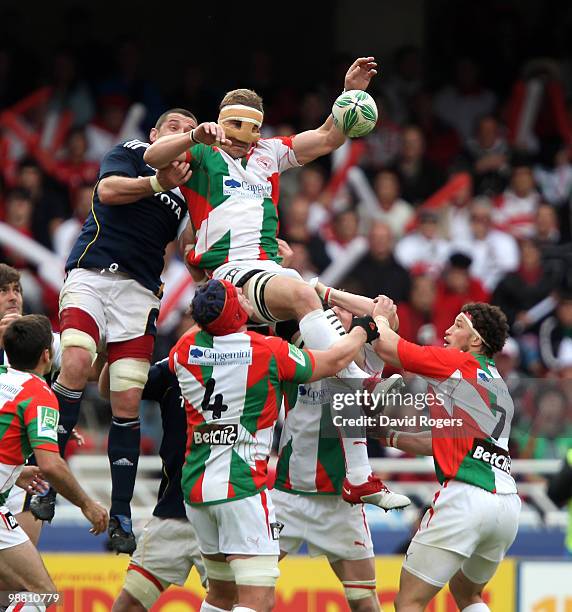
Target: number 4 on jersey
(217, 406)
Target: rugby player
(29, 422)
(111, 297)
(167, 548)
(11, 308)
(309, 482)
(473, 519)
(232, 382)
(233, 204)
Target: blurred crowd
(460, 194)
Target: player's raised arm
(327, 138)
(173, 147)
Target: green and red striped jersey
(468, 391)
(29, 416)
(233, 203)
(232, 387)
(311, 458)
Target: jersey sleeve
(121, 161)
(284, 151)
(294, 364)
(41, 419)
(159, 380)
(431, 361)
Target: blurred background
(462, 192)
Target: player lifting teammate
(473, 519)
(232, 383)
(233, 196)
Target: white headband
(470, 324)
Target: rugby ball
(355, 113)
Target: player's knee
(304, 298)
(261, 571)
(463, 591)
(76, 364)
(128, 376)
(125, 602)
(143, 588)
(360, 595)
(125, 404)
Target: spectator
(546, 229)
(532, 282)
(50, 207)
(311, 186)
(494, 253)
(67, 233)
(486, 157)
(384, 143)
(406, 82)
(460, 105)
(507, 363)
(424, 247)
(442, 141)
(301, 261)
(419, 177)
(550, 435)
(518, 205)
(555, 177)
(455, 288)
(555, 328)
(456, 216)
(110, 126)
(73, 168)
(343, 239)
(70, 92)
(378, 273)
(416, 316)
(388, 206)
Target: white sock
(207, 607)
(478, 607)
(29, 607)
(242, 609)
(320, 330)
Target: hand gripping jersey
(469, 388)
(233, 202)
(29, 417)
(311, 459)
(232, 387)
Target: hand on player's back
(5, 321)
(175, 174)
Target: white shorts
(233, 271)
(243, 527)
(328, 524)
(168, 549)
(475, 525)
(16, 501)
(11, 534)
(121, 307)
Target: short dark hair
(9, 275)
(25, 339)
(180, 111)
(490, 321)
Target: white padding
(144, 591)
(218, 570)
(359, 589)
(75, 337)
(128, 373)
(261, 570)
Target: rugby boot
(121, 536)
(373, 491)
(43, 507)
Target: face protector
(249, 119)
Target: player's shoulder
(134, 145)
(128, 149)
(276, 141)
(38, 388)
(262, 342)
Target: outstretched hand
(360, 73)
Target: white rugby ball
(355, 113)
